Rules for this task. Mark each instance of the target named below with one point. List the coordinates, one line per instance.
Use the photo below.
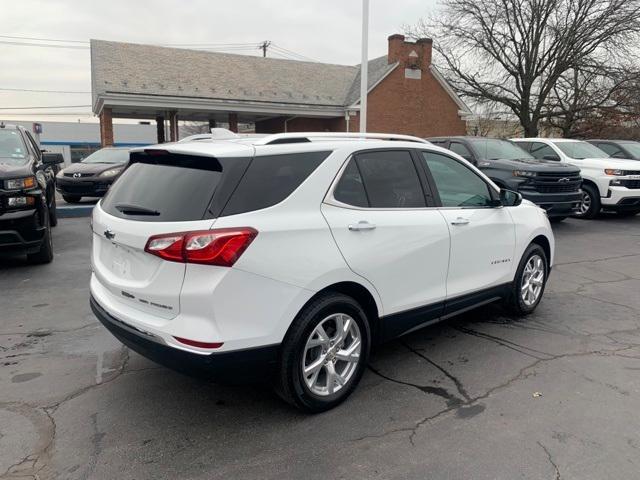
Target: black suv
(27, 195)
(551, 185)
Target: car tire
(53, 213)
(305, 347)
(45, 254)
(534, 265)
(628, 213)
(71, 198)
(557, 219)
(590, 205)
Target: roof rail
(280, 138)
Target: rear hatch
(160, 192)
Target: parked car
(293, 254)
(628, 149)
(27, 195)
(92, 176)
(608, 183)
(551, 185)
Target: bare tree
(586, 95)
(514, 52)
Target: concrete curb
(68, 211)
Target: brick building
(406, 93)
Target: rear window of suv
(168, 187)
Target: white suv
(608, 183)
(288, 257)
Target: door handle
(361, 225)
(460, 221)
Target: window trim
(495, 195)
(329, 198)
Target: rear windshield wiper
(136, 210)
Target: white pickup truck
(608, 183)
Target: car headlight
(614, 171)
(523, 173)
(20, 183)
(110, 173)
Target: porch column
(160, 129)
(173, 127)
(233, 122)
(106, 127)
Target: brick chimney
(410, 55)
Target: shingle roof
(150, 70)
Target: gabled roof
(122, 69)
(149, 70)
(378, 68)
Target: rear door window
(272, 178)
(390, 179)
(173, 188)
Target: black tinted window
(460, 149)
(457, 185)
(172, 188)
(611, 149)
(390, 179)
(270, 179)
(350, 188)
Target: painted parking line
(72, 211)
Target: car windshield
(12, 149)
(108, 155)
(494, 149)
(581, 150)
(633, 148)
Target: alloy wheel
(532, 280)
(586, 203)
(331, 354)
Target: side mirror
(554, 158)
(509, 198)
(52, 158)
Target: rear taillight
(221, 247)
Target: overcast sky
(324, 30)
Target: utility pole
(364, 64)
(263, 46)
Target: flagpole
(363, 66)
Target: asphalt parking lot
(485, 396)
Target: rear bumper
(21, 231)
(83, 187)
(239, 366)
(556, 205)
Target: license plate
(120, 266)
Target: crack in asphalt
(614, 257)
(550, 458)
(39, 457)
(461, 404)
(459, 386)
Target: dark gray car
(551, 185)
(627, 149)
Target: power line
(290, 52)
(40, 91)
(46, 106)
(25, 44)
(43, 39)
